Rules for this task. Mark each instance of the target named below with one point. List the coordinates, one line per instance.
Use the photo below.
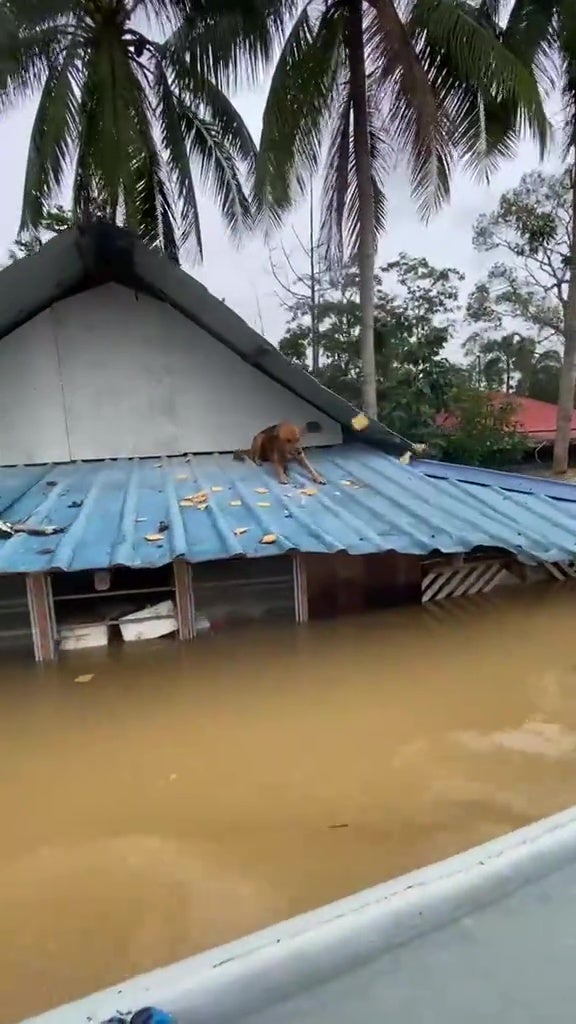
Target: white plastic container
(149, 623)
(78, 637)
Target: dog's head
(289, 435)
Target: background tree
(513, 363)
(126, 114)
(360, 87)
(543, 35)
(521, 309)
(416, 310)
(482, 431)
(55, 220)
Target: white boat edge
(273, 965)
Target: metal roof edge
(87, 256)
(259, 971)
(561, 490)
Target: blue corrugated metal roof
(371, 503)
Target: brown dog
(279, 444)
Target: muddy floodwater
(186, 795)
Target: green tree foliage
(513, 363)
(416, 307)
(484, 432)
(56, 220)
(519, 309)
(126, 113)
(542, 33)
(363, 88)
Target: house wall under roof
(111, 373)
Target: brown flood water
(188, 794)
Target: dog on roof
(279, 444)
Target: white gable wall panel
(111, 373)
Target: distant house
(535, 419)
(125, 387)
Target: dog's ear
(312, 427)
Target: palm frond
(26, 60)
(217, 169)
(230, 43)
(299, 106)
(415, 118)
(479, 59)
(176, 154)
(53, 136)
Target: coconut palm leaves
(358, 88)
(124, 115)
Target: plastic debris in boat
(147, 1015)
(85, 679)
(152, 1015)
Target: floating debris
(240, 530)
(235, 504)
(263, 504)
(154, 537)
(405, 459)
(187, 503)
(85, 679)
(359, 422)
(199, 498)
(269, 538)
(309, 491)
(261, 490)
(216, 488)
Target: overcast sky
(242, 277)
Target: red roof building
(535, 419)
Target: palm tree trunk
(314, 339)
(568, 371)
(367, 229)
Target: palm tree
(543, 34)
(513, 363)
(361, 88)
(125, 115)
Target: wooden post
(39, 590)
(184, 599)
(300, 588)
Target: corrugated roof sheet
(371, 503)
